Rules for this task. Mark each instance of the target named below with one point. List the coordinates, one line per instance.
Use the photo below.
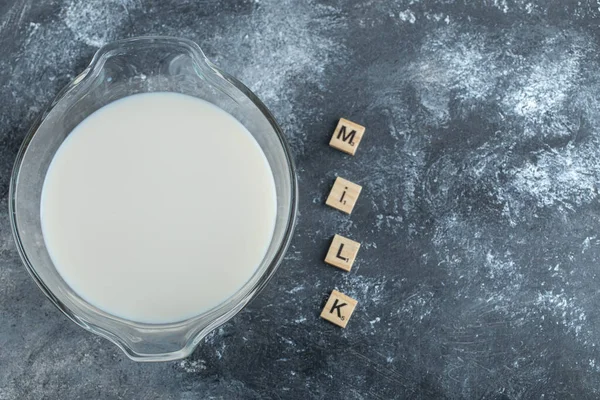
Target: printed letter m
(346, 136)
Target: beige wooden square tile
(342, 252)
(339, 308)
(343, 195)
(347, 136)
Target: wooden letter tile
(342, 252)
(347, 136)
(343, 195)
(339, 308)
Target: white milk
(158, 207)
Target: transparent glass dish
(119, 69)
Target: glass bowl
(119, 69)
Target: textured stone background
(478, 275)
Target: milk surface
(158, 207)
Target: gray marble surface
(478, 276)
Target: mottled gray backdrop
(479, 218)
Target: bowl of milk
(154, 198)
